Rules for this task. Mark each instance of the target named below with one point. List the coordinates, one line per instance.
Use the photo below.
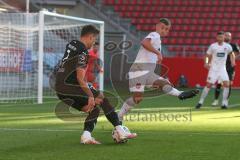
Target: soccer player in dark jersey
(229, 67)
(72, 88)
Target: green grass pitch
(34, 132)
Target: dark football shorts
(79, 99)
(231, 74)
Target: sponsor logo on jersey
(138, 85)
(221, 54)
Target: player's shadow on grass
(226, 117)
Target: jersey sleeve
(152, 36)
(210, 50)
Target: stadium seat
(120, 2)
(202, 19)
(109, 2)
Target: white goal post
(30, 46)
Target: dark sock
(218, 91)
(91, 120)
(110, 113)
(230, 90)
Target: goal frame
(42, 14)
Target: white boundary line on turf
(147, 132)
(27, 104)
(234, 105)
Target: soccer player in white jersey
(230, 68)
(215, 62)
(142, 74)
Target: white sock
(86, 134)
(126, 107)
(225, 96)
(168, 89)
(204, 94)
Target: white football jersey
(145, 56)
(219, 55)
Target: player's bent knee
(226, 84)
(164, 85)
(99, 99)
(137, 99)
(160, 83)
(209, 85)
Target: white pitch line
(105, 131)
(39, 129)
(27, 104)
(234, 105)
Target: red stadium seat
(182, 34)
(120, 2)
(133, 2)
(172, 41)
(196, 41)
(216, 3)
(176, 28)
(109, 2)
(194, 22)
(118, 8)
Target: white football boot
(215, 103)
(123, 134)
(86, 138)
(224, 104)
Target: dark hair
(165, 21)
(89, 29)
(220, 33)
(96, 43)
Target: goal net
(30, 46)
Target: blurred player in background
(142, 74)
(229, 67)
(215, 62)
(93, 66)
